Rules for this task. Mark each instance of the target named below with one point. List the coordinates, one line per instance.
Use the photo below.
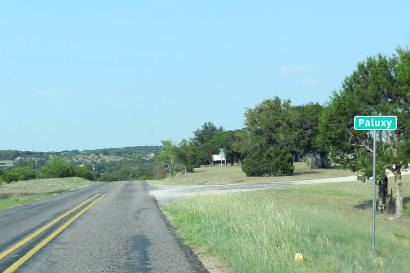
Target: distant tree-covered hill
(106, 164)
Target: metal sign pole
(374, 195)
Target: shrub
(274, 161)
(19, 173)
(10, 176)
(253, 166)
(145, 177)
(82, 171)
(57, 168)
(27, 173)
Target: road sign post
(375, 123)
(222, 155)
(374, 196)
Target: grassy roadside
(262, 231)
(234, 174)
(21, 192)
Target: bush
(20, 173)
(83, 172)
(10, 176)
(57, 168)
(275, 161)
(109, 177)
(252, 165)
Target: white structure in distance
(218, 160)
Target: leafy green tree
(269, 139)
(204, 134)
(57, 167)
(168, 156)
(233, 155)
(241, 144)
(378, 86)
(223, 139)
(188, 155)
(220, 139)
(305, 132)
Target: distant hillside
(107, 164)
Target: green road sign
(375, 122)
(222, 154)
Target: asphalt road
(123, 231)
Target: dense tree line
(111, 164)
(277, 133)
(125, 170)
(134, 169)
(192, 153)
(56, 168)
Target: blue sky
(94, 74)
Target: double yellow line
(33, 251)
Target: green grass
(261, 231)
(234, 174)
(406, 210)
(21, 192)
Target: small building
(6, 163)
(217, 160)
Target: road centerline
(43, 228)
(44, 242)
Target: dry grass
(43, 185)
(21, 192)
(234, 174)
